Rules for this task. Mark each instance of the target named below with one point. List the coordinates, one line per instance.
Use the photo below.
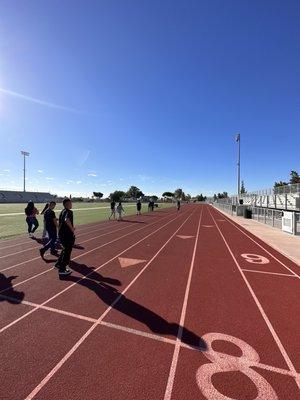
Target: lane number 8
(222, 362)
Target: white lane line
(84, 241)
(262, 247)
(85, 276)
(137, 332)
(170, 383)
(268, 273)
(263, 314)
(91, 329)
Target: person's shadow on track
(112, 297)
(10, 295)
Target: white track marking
(170, 383)
(91, 329)
(84, 277)
(263, 314)
(139, 333)
(262, 247)
(268, 273)
(36, 258)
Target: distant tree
(223, 195)
(280, 183)
(188, 197)
(117, 195)
(155, 198)
(200, 197)
(179, 194)
(215, 197)
(295, 178)
(168, 194)
(99, 195)
(134, 192)
(243, 189)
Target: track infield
(168, 305)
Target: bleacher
(11, 196)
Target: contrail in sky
(40, 102)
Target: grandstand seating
(9, 196)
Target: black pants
(65, 255)
(51, 242)
(32, 221)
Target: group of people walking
(61, 228)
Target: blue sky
(108, 94)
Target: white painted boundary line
(84, 277)
(268, 273)
(263, 248)
(91, 329)
(263, 314)
(170, 383)
(147, 335)
(85, 241)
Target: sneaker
(64, 272)
(42, 252)
(54, 253)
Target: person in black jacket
(66, 234)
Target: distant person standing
(44, 235)
(112, 209)
(178, 205)
(120, 210)
(31, 212)
(138, 207)
(51, 228)
(66, 234)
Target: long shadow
(83, 269)
(133, 222)
(112, 297)
(6, 283)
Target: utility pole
(238, 140)
(24, 154)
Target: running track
(169, 305)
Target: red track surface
(209, 312)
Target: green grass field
(84, 213)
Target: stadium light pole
(238, 140)
(24, 154)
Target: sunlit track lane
(42, 287)
(220, 303)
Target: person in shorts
(138, 207)
(66, 234)
(120, 210)
(51, 228)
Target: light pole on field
(238, 140)
(24, 154)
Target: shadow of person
(118, 301)
(133, 222)
(10, 295)
(78, 247)
(93, 275)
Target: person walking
(138, 207)
(112, 209)
(51, 228)
(45, 234)
(66, 234)
(31, 212)
(178, 205)
(120, 210)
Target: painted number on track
(255, 258)
(222, 362)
